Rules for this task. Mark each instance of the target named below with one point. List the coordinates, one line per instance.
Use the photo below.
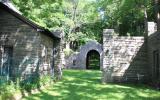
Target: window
(156, 64)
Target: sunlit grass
(86, 85)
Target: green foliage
(63, 14)
(68, 52)
(7, 90)
(35, 82)
(30, 84)
(88, 17)
(45, 80)
(47, 13)
(127, 16)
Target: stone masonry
(32, 50)
(78, 60)
(125, 58)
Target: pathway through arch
(93, 60)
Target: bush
(34, 82)
(30, 83)
(68, 52)
(45, 80)
(7, 90)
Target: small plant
(7, 89)
(34, 82)
(68, 52)
(30, 83)
(45, 80)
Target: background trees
(83, 20)
(127, 16)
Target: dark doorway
(93, 60)
(6, 61)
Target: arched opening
(93, 60)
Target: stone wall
(125, 58)
(32, 50)
(78, 60)
(153, 46)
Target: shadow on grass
(86, 85)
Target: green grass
(86, 85)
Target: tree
(127, 16)
(84, 20)
(72, 16)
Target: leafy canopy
(83, 20)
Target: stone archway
(93, 60)
(84, 50)
(78, 60)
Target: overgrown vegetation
(86, 85)
(7, 90)
(10, 89)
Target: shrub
(45, 80)
(34, 82)
(68, 52)
(30, 83)
(7, 89)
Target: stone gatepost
(108, 55)
(152, 28)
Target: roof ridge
(26, 20)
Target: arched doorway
(93, 60)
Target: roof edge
(37, 27)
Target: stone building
(26, 49)
(154, 56)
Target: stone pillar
(108, 55)
(157, 13)
(62, 49)
(152, 28)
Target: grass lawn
(86, 85)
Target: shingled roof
(18, 15)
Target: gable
(26, 21)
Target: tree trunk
(75, 5)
